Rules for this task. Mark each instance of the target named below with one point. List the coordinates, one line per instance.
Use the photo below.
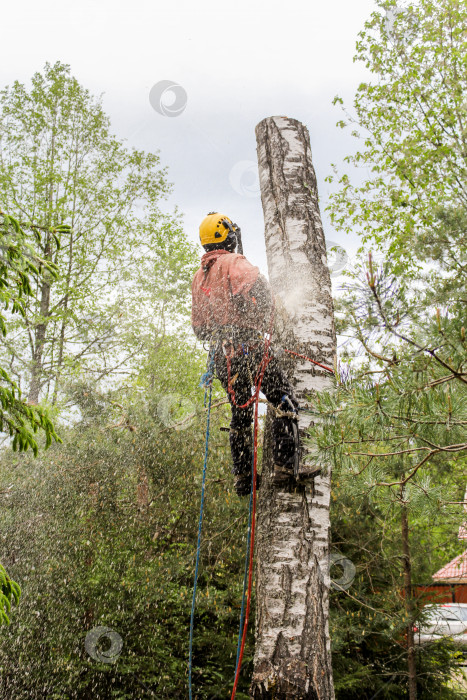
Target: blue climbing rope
(206, 381)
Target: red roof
(456, 570)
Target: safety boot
(286, 444)
(285, 450)
(286, 447)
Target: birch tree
(293, 658)
(122, 262)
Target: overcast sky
(235, 63)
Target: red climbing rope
(304, 357)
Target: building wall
(442, 593)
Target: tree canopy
(94, 281)
(394, 428)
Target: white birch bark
(292, 658)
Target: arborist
(232, 309)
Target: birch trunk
(293, 658)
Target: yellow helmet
(214, 228)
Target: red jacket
(221, 294)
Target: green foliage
(114, 513)
(20, 269)
(123, 268)
(394, 441)
(406, 406)
(20, 420)
(9, 590)
(410, 120)
(20, 266)
(394, 427)
(368, 621)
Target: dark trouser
(243, 369)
